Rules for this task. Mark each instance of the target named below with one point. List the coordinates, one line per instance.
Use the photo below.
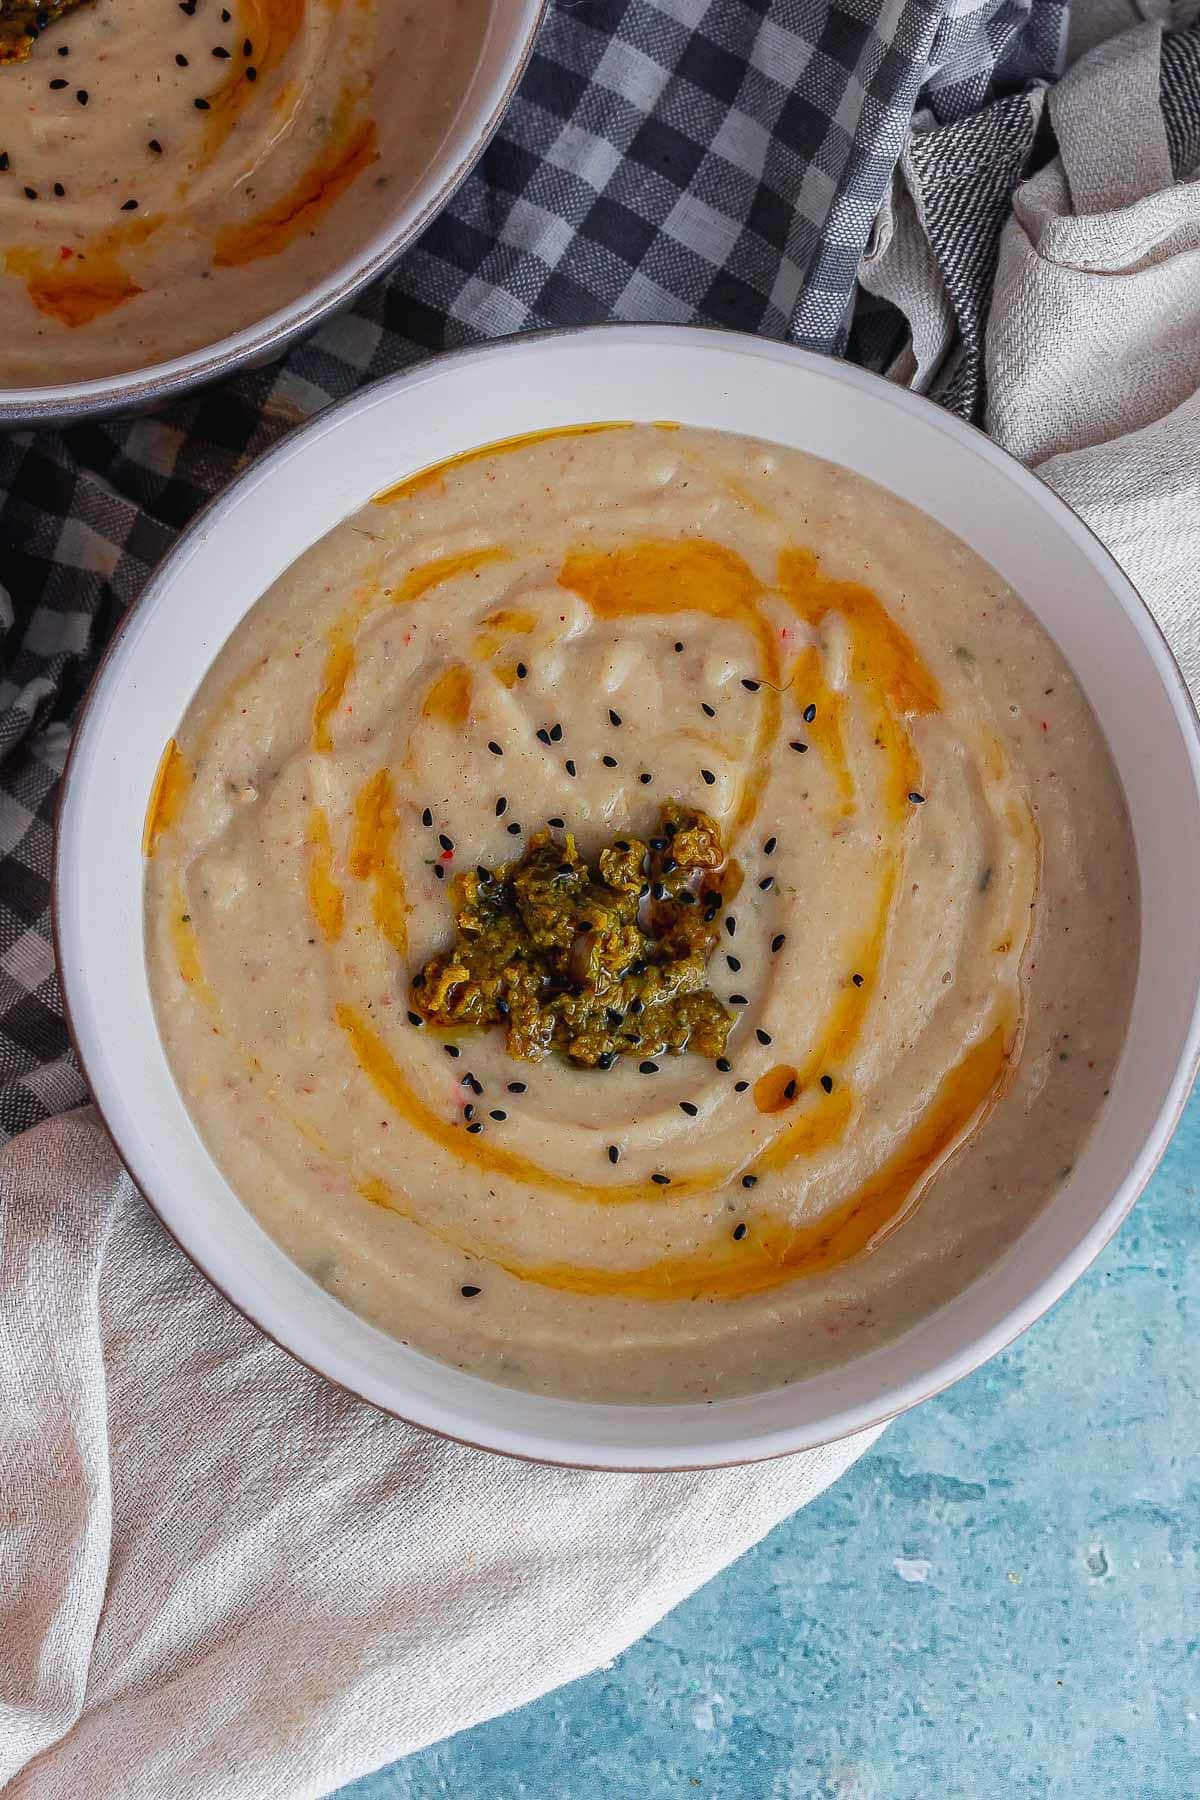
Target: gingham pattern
(707, 161)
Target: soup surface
(921, 938)
(171, 173)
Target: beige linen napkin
(219, 1576)
(1093, 341)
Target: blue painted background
(1000, 1601)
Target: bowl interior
(512, 26)
(295, 495)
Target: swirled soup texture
(172, 173)
(926, 931)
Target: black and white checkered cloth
(714, 162)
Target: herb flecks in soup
(613, 744)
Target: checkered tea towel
(709, 161)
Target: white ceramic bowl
(512, 27)
(292, 497)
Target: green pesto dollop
(22, 20)
(595, 963)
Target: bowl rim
(1053, 1283)
(266, 339)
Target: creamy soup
(925, 927)
(171, 173)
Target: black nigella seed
(678, 648)
(730, 924)
(797, 745)
(687, 1107)
(522, 671)
(226, 15)
(513, 829)
(476, 1128)
(247, 47)
(494, 747)
(647, 1068)
(614, 1017)
(749, 1180)
(556, 824)
(738, 1000)
(739, 1231)
(739, 1087)
(778, 941)
(447, 843)
(710, 711)
(764, 1037)
(917, 799)
(469, 1290)
(662, 1180)
(751, 687)
(809, 713)
(656, 843)
(59, 189)
(857, 980)
(497, 1114)
(724, 1064)
(501, 807)
(637, 1007)
(3, 162)
(644, 778)
(181, 60)
(614, 717)
(658, 891)
(569, 766)
(556, 734)
(31, 193)
(427, 818)
(64, 50)
(607, 1060)
(516, 1087)
(222, 53)
(827, 1083)
(60, 81)
(768, 881)
(708, 777)
(769, 846)
(251, 71)
(129, 206)
(468, 1112)
(439, 872)
(735, 964)
(452, 1049)
(188, 7)
(610, 762)
(543, 736)
(81, 94)
(470, 1081)
(789, 1092)
(200, 104)
(156, 146)
(415, 1018)
(481, 873)
(613, 1153)
(564, 869)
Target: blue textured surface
(1000, 1601)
